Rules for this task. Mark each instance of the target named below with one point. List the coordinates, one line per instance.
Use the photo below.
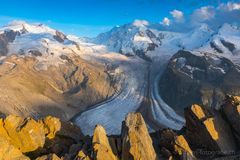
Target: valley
(139, 81)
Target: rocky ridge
(198, 77)
(208, 134)
(27, 91)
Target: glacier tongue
(134, 87)
(111, 113)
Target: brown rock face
(137, 143)
(28, 90)
(181, 146)
(60, 37)
(231, 110)
(173, 145)
(49, 157)
(52, 126)
(101, 147)
(82, 156)
(26, 134)
(68, 129)
(5, 38)
(116, 144)
(206, 130)
(37, 138)
(10, 152)
(192, 78)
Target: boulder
(62, 137)
(181, 146)
(74, 149)
(173, 145)
(116, 144)
(82, 156)
(25, 134)
(136, 141)
(206, 130)
(70, 130)
(231, 110)
(101, 147)
(52, 125)
(49, 157)
(3, 132)
(9, 151)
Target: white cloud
(213, 16)
(166, 21)
(140, 23)
(178, 15)
(203, 14)
(229, 6)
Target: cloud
(203, 13)
(166, 21)
(178, 15)
(212, 16)
(140, 23)
(229, 6)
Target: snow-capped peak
(24, 26)
(47, 45)
(135, 38)
(229, 29)
(143, 38)
(16, 22)
(204, 28)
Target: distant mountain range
(131, 39)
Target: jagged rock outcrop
(137, 143)
(101, 147)
(206, 130)
(46, 136)
(116, 144)
(231, 110)
(9, 151)
(52, 125)
(82, 156)
(208, 134)
(68, 129)
(49, 157)
(173, 145)
(60, 37)
(202, 78)
(182, 148)
(26, 134)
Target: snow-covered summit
(48, 45)
(21, 26)
(135, 38)
(224, 41)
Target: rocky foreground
(208, 134)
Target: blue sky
(90, 17)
